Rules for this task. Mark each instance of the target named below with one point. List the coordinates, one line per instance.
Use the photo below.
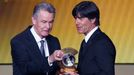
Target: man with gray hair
(34, 51)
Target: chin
(45, 35)
(80, 32)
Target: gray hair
(43, 6)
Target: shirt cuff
(49, 62)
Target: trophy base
(67, 70)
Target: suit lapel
(49, 44)
(92, 38)
(33, 47)
(90, 41)
(87, 52)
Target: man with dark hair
(97, 52)
(34, 51)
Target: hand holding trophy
(67, 64)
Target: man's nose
(76, 20)
(48, 25)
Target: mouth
(78, 28)
(45, 30)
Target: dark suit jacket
(27, 59)
(97, 56)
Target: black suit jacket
(97, 56)
(26, 56)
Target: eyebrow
(78, 17)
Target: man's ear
(93, 20)
(33, 20)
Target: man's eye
(51, 21)
(80, 18)
(43, 21)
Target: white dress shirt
(87, 37)
(38, 39)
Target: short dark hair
(87, 9)
(43, 6)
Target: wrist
(50, 59)
(49, 62)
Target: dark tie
(42, 51)
(82, 48)
(81, 53)
(83, 43)
(42, 48)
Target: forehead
(45, 15)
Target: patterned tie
(42, 51)
(42, 48)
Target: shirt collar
(36, 36)
(90, 33)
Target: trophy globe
(67, 63)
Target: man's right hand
(56, 56)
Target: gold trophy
(67, 64)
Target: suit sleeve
(105, 57)
(56, 46)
